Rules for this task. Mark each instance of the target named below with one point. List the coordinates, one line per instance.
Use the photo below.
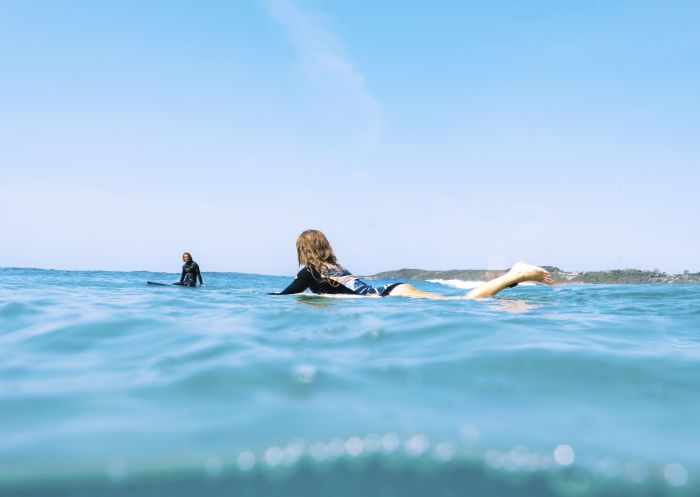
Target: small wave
(15, 310)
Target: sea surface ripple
(109, 386)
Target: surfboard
(153, 283)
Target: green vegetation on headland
(615, 276)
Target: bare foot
(528, 272)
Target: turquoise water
(111, 387)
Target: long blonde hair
(315, 252)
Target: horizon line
(374, 274)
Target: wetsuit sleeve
(199, 275)
(303, 281)
(182, 276)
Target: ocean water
(112, 387)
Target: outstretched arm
(302, 281)
(199, 275)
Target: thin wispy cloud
(323, 60)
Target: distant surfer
(190, 272)
(321, 273)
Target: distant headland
(614, 276)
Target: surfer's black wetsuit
(190, 273)
(345, 283)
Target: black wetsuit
(347, 284)
(190, 274)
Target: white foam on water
(464, 284)
(468, 284)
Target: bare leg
(406, 290)
(518, 273)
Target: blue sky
(432, 135)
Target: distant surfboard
(155, 283)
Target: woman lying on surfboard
(321, 273)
